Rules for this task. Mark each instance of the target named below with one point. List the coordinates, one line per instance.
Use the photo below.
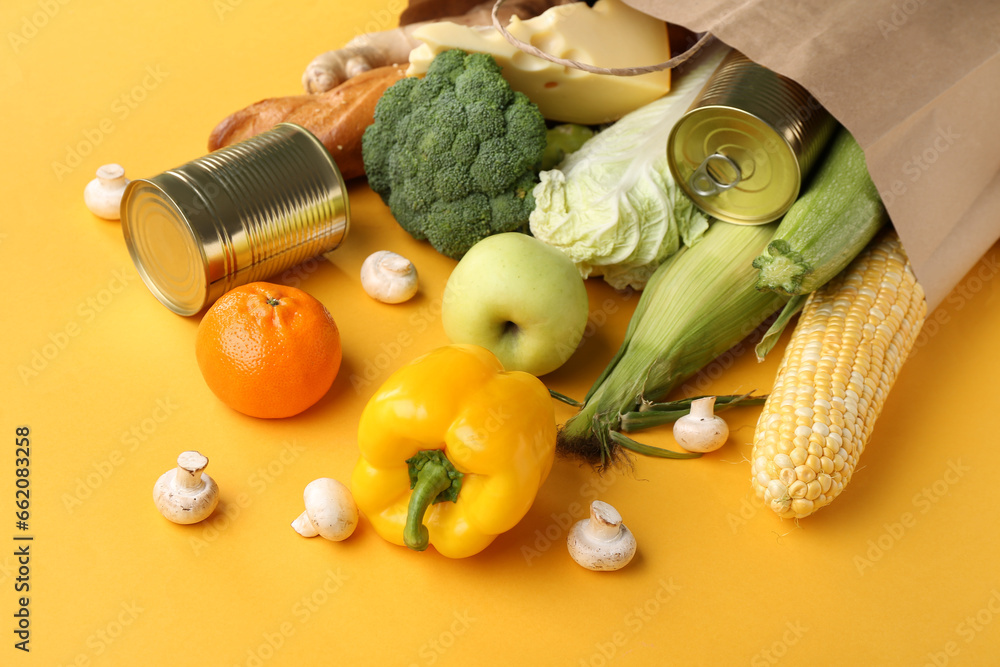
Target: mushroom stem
(703, 408)
(394, 263)
(605, 521)
(190, 465)
(304, 526)
(111, 175)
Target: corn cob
(851, 339)
(697, 304)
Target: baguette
(338, 117)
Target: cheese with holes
(611, 34)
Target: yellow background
(902, 569)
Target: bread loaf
(338, 117)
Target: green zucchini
(827, 226)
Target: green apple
(519, 298)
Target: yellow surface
(901, 569)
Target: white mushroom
(601, 542)
(701, 430)
(388, 277)
(330, 511)
(186, 494)
(103, 195)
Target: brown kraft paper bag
(917, 82)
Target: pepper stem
(434, 480)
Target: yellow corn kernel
(797, 489)
(851, 340)
(805, 473)
(799, 455)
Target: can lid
(734, 165)
(164, 248)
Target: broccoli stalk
(563, 140)
(454, 155)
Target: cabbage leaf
(613, 206)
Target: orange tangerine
(268, 350)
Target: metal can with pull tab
(743, 149)
(238, 215)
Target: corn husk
(698, 304)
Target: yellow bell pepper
(472, 441)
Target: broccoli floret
(455, 155)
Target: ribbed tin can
(235, 216)
(743, 149)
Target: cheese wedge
(610, 34)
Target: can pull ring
(716, 174)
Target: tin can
(235, 216)
(742, 150)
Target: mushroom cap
(103, 195)
(331, 508)
(181, 505)
(389, 277)
(701, 434)
(602, 542)
(701, 430)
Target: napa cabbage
(613, 206)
